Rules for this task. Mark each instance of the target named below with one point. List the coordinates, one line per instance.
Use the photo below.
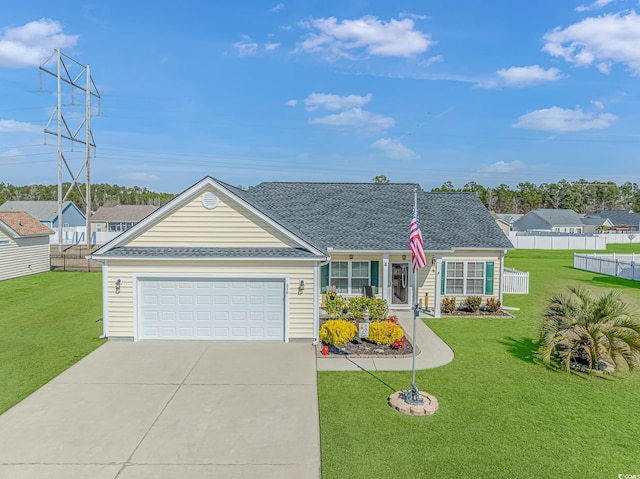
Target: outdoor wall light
(118, 284)
(404, 256)
(301, 286)
(350, 256)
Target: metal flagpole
(413, 396)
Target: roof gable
(186, 222)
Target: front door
(400, 284)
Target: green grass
(47, 323)
(502, 415)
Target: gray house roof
(342, 217)
(369, 216)
(41, 210)
(545, 219)
(123, 213)
(621, 217)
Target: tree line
(581, 196)
(102, 194)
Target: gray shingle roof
(369, 216)
(621, 217)
(41, 210)
(173, 252)
(544, 218)
(127, 213)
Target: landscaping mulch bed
(361, 348)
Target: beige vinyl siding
(300, 305)
(227, 225)
(23, 256)
(479, 256)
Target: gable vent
(210, 200)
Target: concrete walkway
(172, 409)
(434, 352)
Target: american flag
(415, 242)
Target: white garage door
(211, 309)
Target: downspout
(316, 301)
(501, 274)
(436, 306)
(105, 300)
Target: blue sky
(492, 92)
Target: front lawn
(501, 414)
(47, 323)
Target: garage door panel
(211, 309)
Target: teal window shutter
(324, 278)
(444, 272)
(488, 284)
(375, 266)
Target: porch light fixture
(404, 256)
(118, 284)
(350, 256)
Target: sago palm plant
(587, 333)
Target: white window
(464, 277)
(349, 277)
(4, 242)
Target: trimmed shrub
(493, 304)
(334, 306)
(337, 331)
(378, 308)
(472, 303)
(448, 304)
(384, 332)
(398, 344)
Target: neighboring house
(502, 224)
(47, 212)
(217, 262)
(120, 217)
(621, 219)
(550, 220)
(24, 245)
(595, 224)
(509, 218)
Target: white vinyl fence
(514, 281)
(574, 242)
(77, 236)
(619, 265)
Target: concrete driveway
(170, 409)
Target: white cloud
(31, 44)
(519, 77)
(594, 6)
(278, 7)
(328, 101)
(271, 46)
(415, 16)
(245, 47)
(602, 41)
(291, 102)
(598, 104)
(12, 126)
(556, 119)
(357, 118)
(503, 167)
(394, 149)
(396, 38)
(139, 176)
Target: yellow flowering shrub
(384, 332)
(337, 331)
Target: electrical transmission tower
(69, 71)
